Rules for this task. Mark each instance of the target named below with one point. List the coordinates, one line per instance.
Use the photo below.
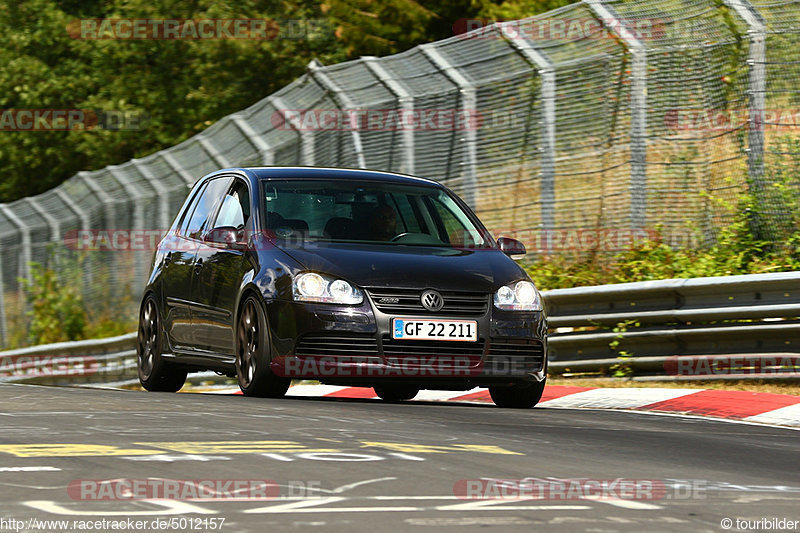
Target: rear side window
(208, 199)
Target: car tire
(155, 374)
(395, 393)
(253, 370)
(518, 396)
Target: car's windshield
(368, 211)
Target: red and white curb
(755, 407)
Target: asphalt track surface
(364, 465)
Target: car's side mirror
(227, 236)
(511, 247)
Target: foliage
(56, 307)
(56, 299)
(183, 86)
(736, 251)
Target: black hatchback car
(349, 277)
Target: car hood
(418, 267)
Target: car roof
(326, 173)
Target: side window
(206, 203)
(235, 210)
(187, 214)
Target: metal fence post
(74, 207)
(26, 239)
(757, 86)
(469, 106)
(172, 162)
(344, 103)
(406, 102)
(161, 191)
(544, 66)
(306, 137)
(138, 213)
(3, 327)
(106, 200)
(55, 227)
(211, 150)
(85, 225)
(638, 185)
(258, 142)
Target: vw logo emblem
(432, 301)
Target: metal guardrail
(750, 314)
(669, 326)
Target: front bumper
(352, 345)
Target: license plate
(435, 329)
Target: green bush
(56, 308)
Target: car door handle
(198, 266)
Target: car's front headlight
(519, 296)
(313, 287)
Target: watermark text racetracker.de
(533, 488)
(174, 523)
(723, 365)
(72, 120)
(15, 367)
(199, 29)
(728, 120)
(535, 240)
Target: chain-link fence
(582, 128)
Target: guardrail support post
(544, 66)
(638, 185)
(406, 103)
(469, 101)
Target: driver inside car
(383, 223)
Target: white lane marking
(626, 504)
(783, 416)
(166, 458)
(278, 457)
(345, 488)
(439, 395)
(617, 398)
(29, 469)
(694, 417)
(406, 456)
(413, 498)
(319, 505)
(168, 507)
(313, 390)
(497, 505)
(296, 506)
(339, 457)
(524, 508)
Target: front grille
(426, 352)
(407, 301)
(519, 354)
(337, 345)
